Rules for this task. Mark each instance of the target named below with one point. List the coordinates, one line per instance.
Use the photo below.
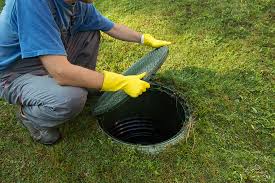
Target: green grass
(222, 60)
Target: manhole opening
(156, 116)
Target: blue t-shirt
(28, 27)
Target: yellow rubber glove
(149, 40)
(132, 85)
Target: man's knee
(70, 103)
(64, 105)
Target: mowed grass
(222, 60)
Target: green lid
(150, 63)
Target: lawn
(221, 60)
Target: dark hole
(156, 116)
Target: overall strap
(64, 33)
(53, 8)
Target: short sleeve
(37, 30)
(94, 20)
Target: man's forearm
(124, 33)
(81, 77)
(68, 74)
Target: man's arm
(68, 74)
(124, 33)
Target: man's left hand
(149, 40)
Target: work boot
(46, 136)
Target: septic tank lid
(150, 63)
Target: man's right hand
(132, 85)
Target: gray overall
(43, 101)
